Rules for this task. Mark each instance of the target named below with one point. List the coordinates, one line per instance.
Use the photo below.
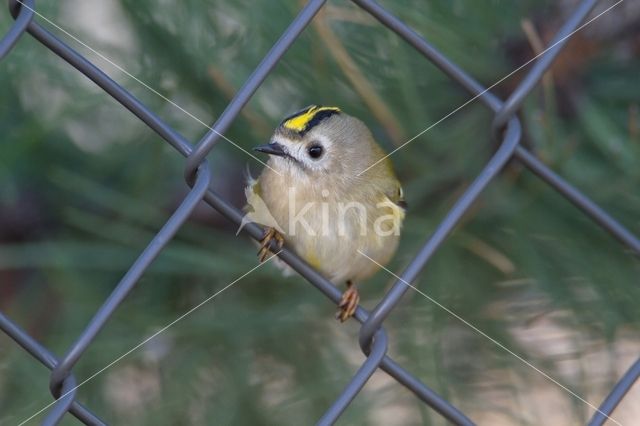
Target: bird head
(321, 140)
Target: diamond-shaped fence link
(373, 338)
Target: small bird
(328, 190)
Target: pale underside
(325, 231)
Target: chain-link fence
(373, 338)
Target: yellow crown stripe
(300, 122)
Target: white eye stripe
(323, 141)
(298, 150)
(283, 141)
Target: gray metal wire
(372, 339)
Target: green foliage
(85, 186)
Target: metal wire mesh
(372, 338)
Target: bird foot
(348, 303)
(270, 235)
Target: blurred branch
(538, 47)
(351, 15)
(491, 255)
(358, 80)
(255, 120)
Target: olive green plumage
(325, 170)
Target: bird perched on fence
(329, 191)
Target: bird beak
(273, 148)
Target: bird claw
(348, 303)
(270, 235)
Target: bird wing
(256, 210)
(396, 196)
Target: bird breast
(330, 228)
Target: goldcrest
(329, 192)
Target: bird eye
(315, 151)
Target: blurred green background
(84, 186)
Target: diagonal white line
(162, 330)
(148, 87)
(494, 341)
(492, 86)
